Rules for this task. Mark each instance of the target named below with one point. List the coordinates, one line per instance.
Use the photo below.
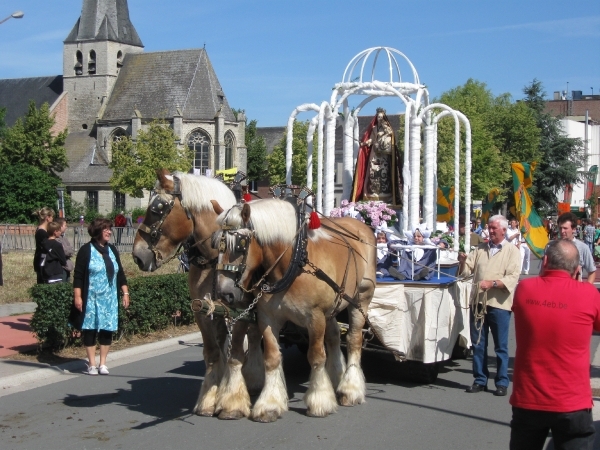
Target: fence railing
(22, 237)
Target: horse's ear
(165, 178)
(216, 207)
(246, 213)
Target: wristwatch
(494, 284)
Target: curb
(51, 374)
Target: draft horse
(256, 254)
(179, 207)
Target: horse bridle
(242, 244)
(161, 209)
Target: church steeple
(93, 55)
(104, 20)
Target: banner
(445, 202)
(488, 205)
(530, 223)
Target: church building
(111, 88)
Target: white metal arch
(419, 116)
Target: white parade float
(417, 321)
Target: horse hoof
(345, 400)
(209, 412)
(310, 413)
(231, 415)
(266, 417)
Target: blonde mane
(197, 191)
(272, 220)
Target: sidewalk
(15, 333)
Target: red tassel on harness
(247, 197)
(315, 222)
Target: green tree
(476, 102)
(561, 156)
(29, 141)
(276, 160)
(257, 153)
(502, 132)
(134, 163)
(23, 189)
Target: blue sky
(273, 55)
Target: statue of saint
(378, 167)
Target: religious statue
(378, 173)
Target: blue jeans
(497, 321)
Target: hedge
(153, 302)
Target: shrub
(153, 302)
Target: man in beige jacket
(496, 266)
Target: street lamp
(61, 201)
(15, 15)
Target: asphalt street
(147, 402)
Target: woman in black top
(45, 216)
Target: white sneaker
(92, 370)
(526, 272)
(103, 370)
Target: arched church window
(117, 135)
(92, 62)
(229, 146)
(78, 63)
(119, 59)
(199, 143)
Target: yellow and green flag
(445, 204)
(530, 223)
(488, 205)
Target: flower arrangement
(374, 214)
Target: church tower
(92, 58)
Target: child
(53, 256)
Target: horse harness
(297, 264)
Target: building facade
(110, 88)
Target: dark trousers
(570, 431)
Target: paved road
(146, 403)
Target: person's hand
(462, 257)
(486, 285)
(78, 302)
(126, 300)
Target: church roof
(158, 83)
(88, 163)
(104, 20)
(15, 94)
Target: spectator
(475, 239)
(513, 235)
(97, 277)
(485, 233)
(478, 228)
(53, 257)
(567, 225)
(554, 319)
(67, 247)
(120, 222)
(45, 216)
(128, 222)
(496, 266)
(588, 233)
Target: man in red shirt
(554, 318)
